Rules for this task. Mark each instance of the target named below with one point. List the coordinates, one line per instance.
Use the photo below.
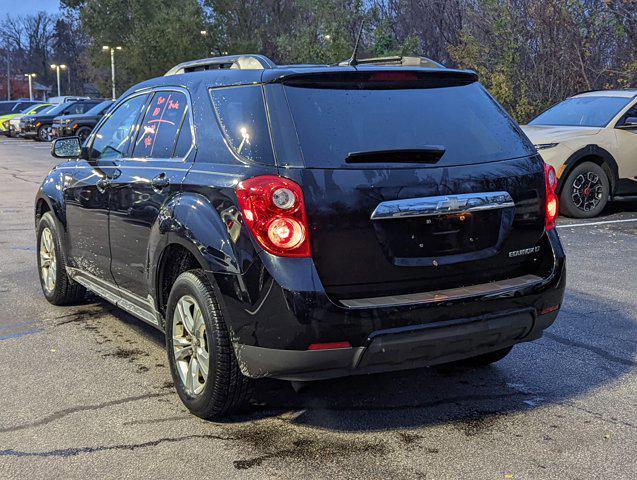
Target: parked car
(5, 120)
(305, 223)
(591, 140)
(14, 106)
(79, 124)
(67, 98)
(39, 126)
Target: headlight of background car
(66, 121)
(544, 146)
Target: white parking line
(597, 223)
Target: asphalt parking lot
(86, 391)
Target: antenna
(353, 61)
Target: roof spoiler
(238, 62)
(395, 61)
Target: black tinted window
(112, 138)
(158, 131)
(241, 115)
(184, 142)
(463, 120)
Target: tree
(154, 34)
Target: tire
(62, 290)
(44, 134)
(585, 191)
(83, 133)
(224, 390)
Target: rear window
(243, 121)
(463, 121)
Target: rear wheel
(585, 191)
(58, 287)
(202, 361)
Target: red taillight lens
(550, 180)
(274, 211)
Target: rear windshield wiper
(429, 154)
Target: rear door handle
(160, 182)
(103, 184)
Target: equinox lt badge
(526, 251)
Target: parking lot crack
(70, 452)
(591, 348)
(82, 408)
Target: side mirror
(630, 122)
(67, 147)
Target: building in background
(20, 88)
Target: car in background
(591, 141)
(80, 125)
(14, 106)
(5, 120)
(15, 127)
(66, 98)
(39, 126)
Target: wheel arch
(597, 155)
(192, 234)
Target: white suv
(591, 140)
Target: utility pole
(8, 77)
(107, 48)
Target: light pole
(57, 69)
(31, 77)
(106, 48)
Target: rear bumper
(398, 349)
(274, 318)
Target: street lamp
(57, 69)
(31, 77)
(106, 48)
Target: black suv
(79, 124)
(39, 125)
(306, 222)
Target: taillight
(550, 181)
(274, 211)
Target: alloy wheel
(587, 191)
(46, 134)
(190, 345)
(48, 263)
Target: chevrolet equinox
(306, 222)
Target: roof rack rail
(397, 60)
(240, 62)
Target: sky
(24, 7)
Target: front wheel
(57, 286)
(44, 133)
(202, 361)
(83, 133)
(585, 191)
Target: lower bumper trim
(397, 349)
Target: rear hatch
(414, 180)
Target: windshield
(463, 122)
(36, 108)
(99, 108)
(582, 112)
(58, 108)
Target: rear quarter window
(242, 118)
(158, 132)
